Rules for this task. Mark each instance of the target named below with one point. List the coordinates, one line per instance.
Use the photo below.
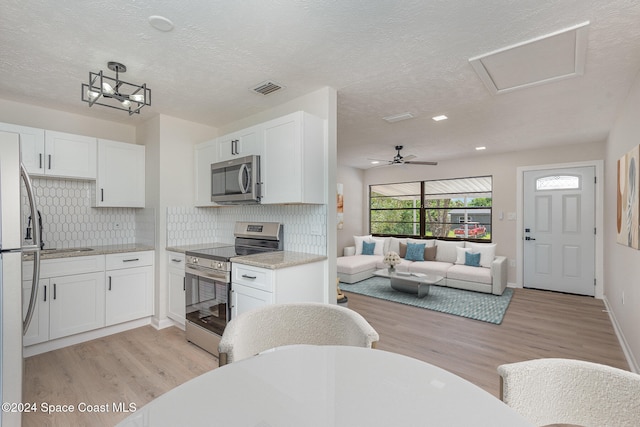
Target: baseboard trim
(628, 354)
(59, 343)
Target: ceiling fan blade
(409, 157)
(422, 163)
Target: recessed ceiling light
(398, 117)
(375, 162)
(439, 118)
(161, 23)
(480, 148)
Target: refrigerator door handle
(35, 248)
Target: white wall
(46, 118)
(169, 181)
(622, 264)
(352, 180)
(503, 168)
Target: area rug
(473, 305)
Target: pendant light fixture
(115, 93)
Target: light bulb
(106, 88)
(138, 97)
(93, 95)
(126, 103)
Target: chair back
(564, 391)
(278, 325)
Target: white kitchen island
(324, 386)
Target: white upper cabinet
(239, 144)
(205, 153)
(293, 163)
(31, 146)
(69, 156)
(121, 175)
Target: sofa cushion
(430, 253)
(432, 267)
(394, 245)
(487, 252)
(427, 242)
(470, 274)
(358, 242)
(357, 263)
(461, 255)
(368, 248)
(447, 250)
(471, 259)
(415, 252)
(380, 243)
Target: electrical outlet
(116, 225)
(316, 230)
(512, 263)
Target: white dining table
(323, 386)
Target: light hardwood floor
(139, 365)
(131, 367)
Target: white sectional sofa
(450, 262)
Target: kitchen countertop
(94, 250)
(184, 248)
(278, 259)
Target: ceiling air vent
(265, 88)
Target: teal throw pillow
(472, 259)
(368, 248)
(415, 252)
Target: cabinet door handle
(109, 282)
(184, 284)
(246, 276)
(102, 194)
(39, 160)
(131, 260)
(54, 291)
(176, 260)
(45, 292)
(49, 161)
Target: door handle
(109, 282)
(529, 238)
(45, 292)
(54, 291)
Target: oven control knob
(194, 260)
(219, 265)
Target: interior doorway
(559, 228)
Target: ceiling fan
(398, 159)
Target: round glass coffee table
(411, 283)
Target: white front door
(559, 230)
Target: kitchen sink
(65, 251)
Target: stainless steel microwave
(236, 181)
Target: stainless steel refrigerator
(13, 322)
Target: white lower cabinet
(245, 298)
(253, 287)
(76, 304)
(80, 294)
(129, 287)
(176, 281)
(38, 330)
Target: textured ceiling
(384, 57)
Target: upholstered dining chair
(277, 325)
(565, 391)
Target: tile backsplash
(69, 220)
(188, 225)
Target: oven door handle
(206, 272)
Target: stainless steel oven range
(208, 280)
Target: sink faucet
(28, 234)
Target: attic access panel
(545, 59)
